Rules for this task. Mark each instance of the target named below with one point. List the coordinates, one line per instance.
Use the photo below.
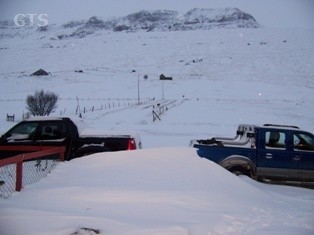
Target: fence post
(10, 118)
(62, 156)
(155, 116)
(19, 175)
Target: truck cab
(285, 153)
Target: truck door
(275, 159)
(303, 154)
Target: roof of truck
(84, 129)
(44, 118)
(80, 123)
(282, 127)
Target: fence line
(208, 99)
(112, 105)
(165, 106)
(126, 102)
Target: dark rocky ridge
(159, 20)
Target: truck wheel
(238, 170)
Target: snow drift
(154, 191)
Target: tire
(240, 170)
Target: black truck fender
(239, 165)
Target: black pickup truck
(268, 152)
(72, 133)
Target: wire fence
(78, 106)
(7, 180)
(165, 106)
(32, 164)
(33, 171)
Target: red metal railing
(31, 152)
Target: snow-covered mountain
(159, 20)
(194, 19)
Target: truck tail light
(131, 144)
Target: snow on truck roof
(250, 127)
(80, 123)
(43, 118)
(84, 129)
(282, 127)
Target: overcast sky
(269, 13)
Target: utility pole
(162, 89)
(138, 86)
(138, 89)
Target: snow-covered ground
(220, 78)
(223, 80)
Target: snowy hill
(255, 76)
(192, 20)
(220, 18)
(159, 20)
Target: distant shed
(163, 77)
(40, 72)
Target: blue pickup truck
(268, 152)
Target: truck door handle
(296, 158)
(269, 156)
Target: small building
(163, 77)
(40, 72)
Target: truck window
(52, 131)
(23, 131)
(275, 139)
(303, 141)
